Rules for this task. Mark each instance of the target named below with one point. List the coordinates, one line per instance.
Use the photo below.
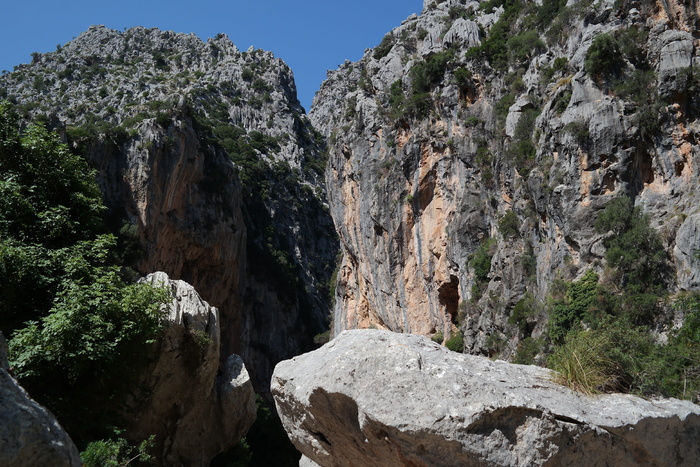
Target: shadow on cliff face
(177, 194)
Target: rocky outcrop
(206, 160)
(195, 407)
(377, 398)
(29, 434)
(422, 167)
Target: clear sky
(311, 36)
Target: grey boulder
(196, 405)
(376, 398)
(29, 434)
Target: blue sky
(311, 36)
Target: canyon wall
(209, 168)
(445, 143)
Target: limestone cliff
(472, 122)
(208, 164)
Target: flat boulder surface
(376, 398)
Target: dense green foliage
(603, 57)
(600, 330)
(49, 202)
(428, 73)
(82, 357)
(79, 330)
(116, 452)
(456, 342)
(581, 297)
(637, 255)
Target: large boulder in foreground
(29, 434)
(375, 398)
(196, 405)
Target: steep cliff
(210, 170)
(472, 151)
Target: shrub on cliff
(509, 224)
(603, 58)
(456, 342)
(577, 306)
(481, 260)
(384, 47)
(637, 257)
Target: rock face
(686, 253)
(207, 160)
(377, 398)
(422, 167)
(195, 407)
(29, 434)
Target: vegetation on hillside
(601, 327)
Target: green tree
(116, 452)
(49, 201)
(79, 331)
(604, 58)
(635, 252)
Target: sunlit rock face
(424, 165)
(195, 406)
